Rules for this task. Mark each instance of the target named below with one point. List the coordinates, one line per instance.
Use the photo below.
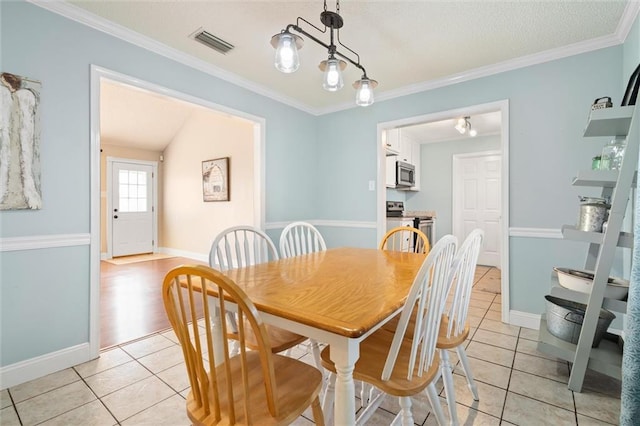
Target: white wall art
(19, 143)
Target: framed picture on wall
(215, 179)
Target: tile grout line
(97, 397)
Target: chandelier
(463, 126)
(287, 44)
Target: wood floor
(131, 300)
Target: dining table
(337, 297)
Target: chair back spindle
(461, 280)
(426, 300)
(214, 391)
(299, 238)
(241, 246)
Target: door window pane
(132, 191)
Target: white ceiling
(402, 44)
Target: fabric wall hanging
(19, 143)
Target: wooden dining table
(338, 297)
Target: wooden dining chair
(404, 362)
(241, 246)
(454, 328)
(253, 387)
(300, 238)
(402, 239)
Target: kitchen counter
(420, 213)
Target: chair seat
(280, 339)
(297, 385)
(453, 341)
(373, 355)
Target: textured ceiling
(400, 43)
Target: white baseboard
(30, 369)
(524, 319)
(182, 253)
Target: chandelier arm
(297, 24)
(326, 46)
(347, 47)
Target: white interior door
(132, 207)
(477, 183)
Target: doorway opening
(131, 211)
(419, 198)
(254, 169)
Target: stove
(395, 208)
(422, 220)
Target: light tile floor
(144, 383)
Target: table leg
(216, 330)
(344, 356)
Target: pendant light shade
(364, 91)
(287, 46)
(332, 68)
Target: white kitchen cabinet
(400, 148)
(391, 172)
(406, 151)
(391, 141)
(394, 222)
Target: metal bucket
(593, 213)
(564, 320)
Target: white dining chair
(241, 246)
(454, 328)
(398, 239)
(300, 238)
(405, 362)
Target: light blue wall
(436, 163)
(59, 54)
(548, 109)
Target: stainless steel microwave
(405, 174)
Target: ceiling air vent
(212, 41)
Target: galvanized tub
(564, 320)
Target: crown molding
(627, 20)
(98, 23)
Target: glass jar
(612, 154)
(595, 163)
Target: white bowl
(579, 280)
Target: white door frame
(456, 211)
(503, 107)
(154, 202)
(99, 73)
